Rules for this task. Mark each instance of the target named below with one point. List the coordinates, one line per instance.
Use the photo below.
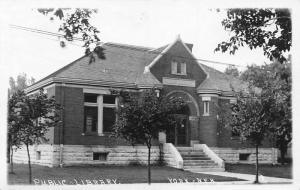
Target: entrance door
(178, 134)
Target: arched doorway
(181, 134)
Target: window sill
(179, 74)
(96, 134)
(205, 115)
(99, 161)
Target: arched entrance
(181, 134)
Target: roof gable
(187, 47)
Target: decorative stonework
(179, 82)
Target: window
(109, 113)
(90, 119)
(99, 113)
(244, 157)
(206, 108)
(178, 68)
(109, 99)
(102, 156)
(38, 155)
(109, 118)
(92, 98)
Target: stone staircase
(197, 160)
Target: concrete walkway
(250, 178)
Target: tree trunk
(29, 164)
(8, 152)
(256, 177)
(149, 164)
(283, 151)
(11, 160)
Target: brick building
(85, 91)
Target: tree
(250, 118)
(13, 127)
(76, 25)
(34, 115)
(278, 89)
(275, 82)
(21, 83)
(140, 119)
(232, 71)
(16, 86)
(269, 29)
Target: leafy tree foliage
(269, 29)
(16, 86)
(30, 117)
(250, 118)
(142, 117)
(76, 25)
(20, 83)
(232, 71)
(13, 142)
(275, 81)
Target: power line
(120, 46)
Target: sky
(143, 23)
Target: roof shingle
(126, 64)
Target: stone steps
(216, 169)
(197, 160)
(200, 165)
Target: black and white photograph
(174, 93)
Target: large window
(109, 112)
(178, 68)
(99, 113)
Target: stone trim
(178, 82)
(172, 157)
(83, 155)
(210, 154)
(231, 155)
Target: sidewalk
(250, 178)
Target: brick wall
(73, 119)
(50, 133)
(208, 124)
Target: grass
(282, 171)
(123, 174)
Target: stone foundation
(233, 155)
(49, 155)
(39, 154)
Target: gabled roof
(124, 66)
(221, 82)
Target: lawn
(107, 174)
(283, 171)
